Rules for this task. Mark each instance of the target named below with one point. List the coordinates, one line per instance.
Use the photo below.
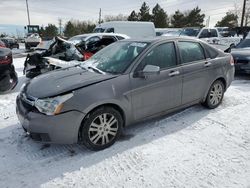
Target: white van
(131, 29)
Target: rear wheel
(215, 95)
(101, 128)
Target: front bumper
(59, 129)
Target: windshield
(116, 58)
(191, 32)
(244, 44)
(99, 30)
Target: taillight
(6, 60)
(232, 61)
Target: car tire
(215, 95)
(101, 128)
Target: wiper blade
(96, 70)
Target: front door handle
(174, 73)
(207, 64)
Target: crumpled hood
(63, 80)
(241, 53)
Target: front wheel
(215, 95)
(101, 128)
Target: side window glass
(105, 41)
(204, 34)
(163, 56)
(191, 51)
(92, 44)
(213, 33)
(93, 39)
(110, 30)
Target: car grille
(28, 103)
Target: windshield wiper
(96, 70)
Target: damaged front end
(36, 63)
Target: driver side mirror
(148, 71)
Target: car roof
(88, 35)
(164, 38)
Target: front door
(159, 92)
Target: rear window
(191, 51)
(212, 53)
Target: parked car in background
(211, 35)
(126, 82)
(224, 31)
(8, 76)
(32, 40)
(10, 42)
(129, 28)
(93, 42)
(172, 33)
(241, 55)
(61, 52)
(2, 44)
(168, 31)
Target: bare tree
(238, 11)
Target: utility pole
(208, 21)
(28, 11)
(243, 13)
(100, 16)
(60, 25)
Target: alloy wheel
(216, 94)
(103, 129)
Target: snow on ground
(21, 52)
(193, 148)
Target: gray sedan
(126, 82)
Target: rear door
(161, 92)
(196, 69)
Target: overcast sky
(43, 12)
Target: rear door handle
(174, 73)
(207, 64)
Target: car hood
(63, 80)
(241, 53)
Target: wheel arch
(222, 79)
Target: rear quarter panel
(222, 69)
